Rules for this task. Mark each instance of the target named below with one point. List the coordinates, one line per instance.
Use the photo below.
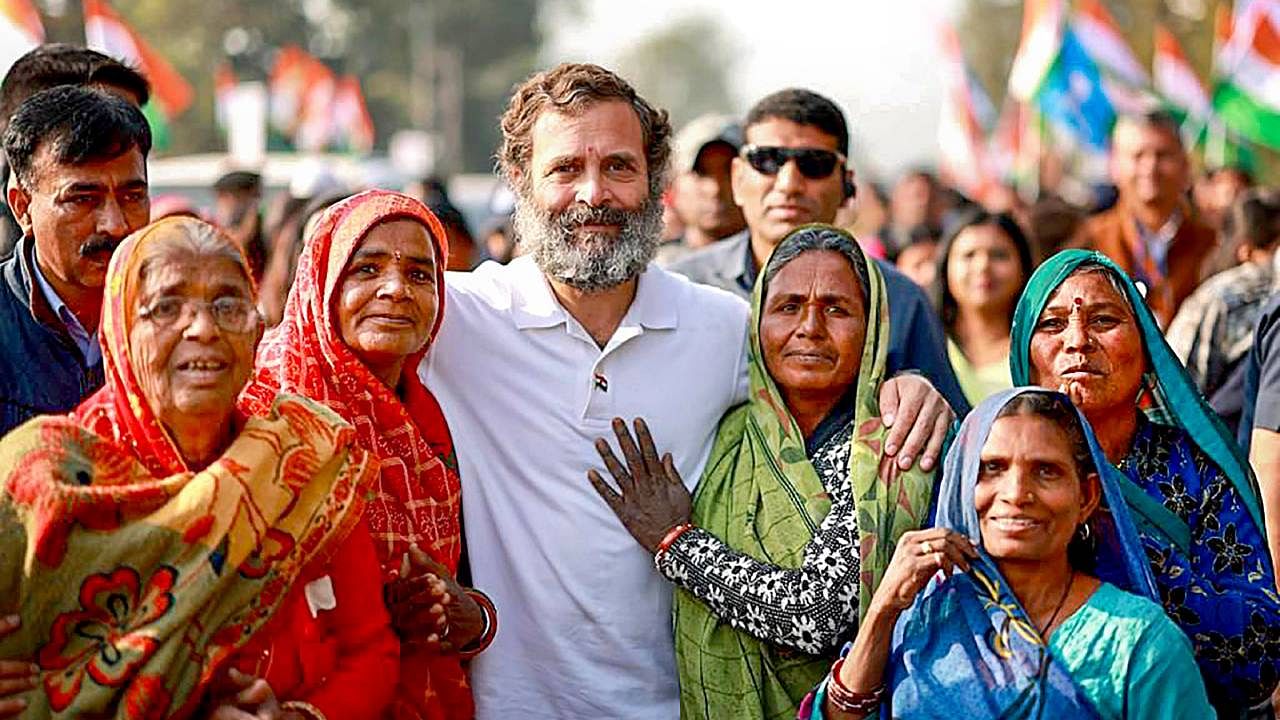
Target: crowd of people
(715, 431)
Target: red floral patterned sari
(135, 577)
(418, 496)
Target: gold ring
(928, 549)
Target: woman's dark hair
(818, 237)
(1055, 408)
(1254, 219)
(78, 125)
(1052, 224)
(943, 300)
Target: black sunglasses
(813, 163)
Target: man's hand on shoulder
(917, 417)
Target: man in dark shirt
(793, 170)
(80, 187)
(49, 66)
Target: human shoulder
(12, 286)
(1135, 624)
(698, 299)
(1129, 607)
(494, 290)
(1105, 222)
(1268, 325)
(706, 265)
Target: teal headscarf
(1176, 399)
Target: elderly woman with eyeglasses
(167, 556)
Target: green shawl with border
(761, 495)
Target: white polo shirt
(585, 620)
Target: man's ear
(737, 168)
(1243, 253)
(19, 201)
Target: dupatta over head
(761, 495)
(416, 498)
(966, 648)
(1172, 397)
(135, 577)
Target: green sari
(761, 495)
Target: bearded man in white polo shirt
(534, 360)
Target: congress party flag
(1072, 95)
(353, 126)
(1175, 80)
(1101, 38)
(20, 31)
(961, 130)
(106, 32)
(1041, 39)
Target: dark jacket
(41, 369)
(916, 339)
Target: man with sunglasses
(791, 171)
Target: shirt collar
(747, 278)
(534, 305)
(1165, 232)
(85, 340)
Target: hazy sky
(877, 58)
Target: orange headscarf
(173, 569)
(118, 410)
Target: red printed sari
(417, 496)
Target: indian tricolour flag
(1098, 32)
(107, 32)
(20, 31)
(961, 132)
(1038, 48)
(1175, 80)
(1247, 94)
(353, 127)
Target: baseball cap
(701, 132)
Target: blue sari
(1195, 501)
(966, 648)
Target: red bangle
(490, 611)
(849, 701)
(672, 535)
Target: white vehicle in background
(479, 196)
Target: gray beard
(594, 262)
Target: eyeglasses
(813, 163)
(232, 314)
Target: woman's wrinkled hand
(16, 676)
(253, 699)
(918, 418)
(920, 554)
(429, 609)
(653, 498)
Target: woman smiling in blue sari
(1031, 598)
(1082, 327)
